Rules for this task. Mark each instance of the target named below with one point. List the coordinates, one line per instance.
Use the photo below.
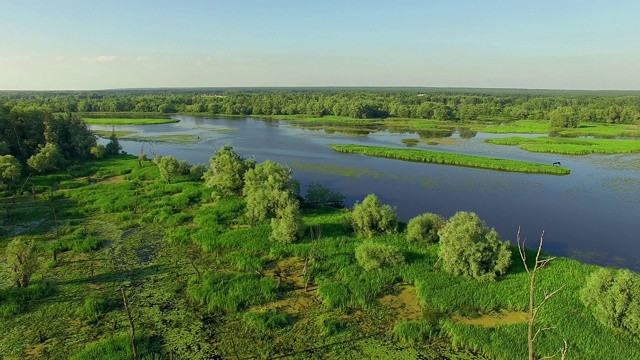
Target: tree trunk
(133, 329)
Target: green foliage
(128, 121)
(329, 324)
(468, 248)
(47, 159)
(71, 134)
(413, 331)
(93, 308)
(318, 194)
(371, 255)
(10, 169)
(231, 292)
(564, 117)
(444, 158)
(424, 228)
(98, 151)
(113, 146)
(118, 347)
(15, 300)
(22, 260)
(196, 172)
(570, 146)
(266, 320)
(287, 226)
(268, 187)
(226, 172)
(371, 217)
(79, 240)
(614, 298)
(169, 168)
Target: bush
(267, 320)
(614, 298)
(424, 228)
(411, 332)
(468, 248)
(319, 195)
(373, 256)
(371, 217)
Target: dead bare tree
(533, 308)
(131, 326)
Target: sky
(92, 45)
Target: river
(591, 215)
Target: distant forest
(360, 103)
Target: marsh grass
(434, 157)
(128, 121)
(568, 146)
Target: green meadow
(570, 146)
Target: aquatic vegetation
(443, 158)
(570, 146)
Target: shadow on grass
(134, 274)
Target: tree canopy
(226, 171)
(469, 248)
(371, 217)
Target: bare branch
(521, 247)
(539, 331)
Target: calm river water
(591, 215)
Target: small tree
(10, 170)
(564, 117)
(113, 147)
(227, 171)
(371, 217)
(468, 248)
(268, 188)
(424, 228)
(371, 255)
(22, 260)
(287, 225)
(47, 159)
(98, 151)
(196, 172)
(320, 195)
(614, 298)
(169, 168)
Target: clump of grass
(243, 261)
(413, 331)
(435, 157)
(230, 292)
(118, 347)
(410, 142)
(266, 320)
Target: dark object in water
(557, 163)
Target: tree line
(411, 103)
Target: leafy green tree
(22, 260)
(424, 228)
(98, 151)
(71, 134)
(169, 168)
(564, 117)
(142, 157)
(196, 172)
(10, 170)
(614, 298)
(469, 248)
(371, 217)
(268, 187)
(227, 171)
(371, 255)
(47, 159)
(287, 226)
(320, 195)
(113, 146)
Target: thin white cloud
(208, 60)
(17, 59)
(101, 58)
(59, 58)
(142, 58)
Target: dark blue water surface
(591, 215)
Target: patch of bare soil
(405, 303)
(503, 317)
(113, 180)
(289, 272)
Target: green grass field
(202, 284)
(435, 157)
(570, 146)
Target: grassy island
(570, 146)
(435, 157)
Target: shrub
(318, 194)
(468, 248)
(411, 332)
(373, 256)
(371, 217)
(424, 228)
(267, 320)
(614, 298)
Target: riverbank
(570, 146)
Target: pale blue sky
(84, 44)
